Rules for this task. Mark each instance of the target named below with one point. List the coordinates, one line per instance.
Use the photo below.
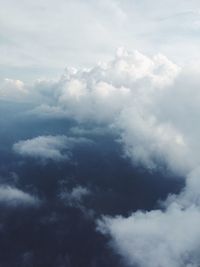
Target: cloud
(166, 237)
(75, 196)
(123, 93)
(153, 106)
(90, 131)
(13, 90)
(174, 30)
(13, 197)
(131, 94)
(152, 143)
(86, 94)
(56, 148)
(156, 238)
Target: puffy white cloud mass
(157, 238)
(160, 238)
(12, 89)
(13, 197)
(151, 102)
(153, 105)
(57, 148)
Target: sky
(99, 133)
(41, 38)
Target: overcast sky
(40, 38)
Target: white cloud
(157, 238)
(167, 237)
(151, 142)
(12, 196)
(145, 99)
(57, 148)
(13, 90)
(87, 94)
(132, 93)
(153, 105)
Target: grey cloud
(75, 196)
(13, 197)
(57, 148)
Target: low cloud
(56, 148)
(121, 93)
(153, 105)
(13, 90)
(157, 238)
(166, 237)
(12, 196)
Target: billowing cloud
(157, 238)
(126, 93)
(153, 106)
(57, 148)
(149, 102)
(166, 237)
(12, 196)
(13, 90)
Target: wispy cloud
(13, 197)
(56, 148)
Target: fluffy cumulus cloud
(166, 237)
(153, 105)
(13, 197)
(57, 148)
(157, 238)
(12, 89)
(132, 93)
